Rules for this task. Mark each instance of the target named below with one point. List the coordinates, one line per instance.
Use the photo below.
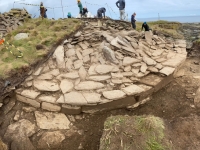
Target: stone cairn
(97, 70)
(11, 20)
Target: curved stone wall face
(103, 68)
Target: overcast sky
(143, 8)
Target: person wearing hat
(42, 10)
(80, 7)
(121, 5)
(133, 20)
(101, 11)
(145, 26)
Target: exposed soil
(170, 103)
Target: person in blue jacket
(133, 20)
(121, 5)
(69, 15)
(101, 11)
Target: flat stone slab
(99, 78)
(50, 107)
(30, 93)
(149, 61)
(92, 98)
(89, 85)
(51, 139)
(66, 86)
(175, 61)
(114, 95)
(167, 71)
(133, 90)
(43, 85)
(22, 127)
(75, 98)
(104, 69)
(59, 55)
(51, 121)
(71, 75)
(129, 61)
(151, 80)
(28, 101)
(49, 99)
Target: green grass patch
(165, 27)
(45, 32)
(134, 132)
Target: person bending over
(101, 11)
(145, 26)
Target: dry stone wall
(103, 68)
(11, 20)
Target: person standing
(80, 7)
(133, 20)
(42, 10)
(121, 5)
(101, 11)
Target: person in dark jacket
(145, 26)
(133, 20)
(42, 10)
(80, 7)
(121, 5)
(85, 11)
(101, 11)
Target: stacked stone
(11, 20)
(98, 69)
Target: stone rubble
(99, 67)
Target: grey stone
(75, 98)
(51, 139)
(109, 55)
(116, 81)
(70, 52)
(86, 58)
(78, 64)
(71, 75)
(59, 55)
(143, 68)
(89, 85)
(117, 75)
(20, 129)
(36, 73)
(127, 68)
(87, 52)
(82, 73)
(167, 70)
(92, 98)
(70, 110)
(149, 61)
(51, 121)
(133, 90)
(47, 98)
(66, 86)
(46, 85)
(29, 101)
(30, 93)
(45, 76)
(92, 71)
(114, 95)
(50, 107)
(61, 100)
(129, 61)
(152, 69)
(104, 69)
(99, 78)
(20, 36)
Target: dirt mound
(136, 132)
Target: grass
(164, 27)
(41, 32)
(134, 132)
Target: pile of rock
(11, 20)
(97, 70)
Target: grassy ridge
(42, 34)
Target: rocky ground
(177, 104)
